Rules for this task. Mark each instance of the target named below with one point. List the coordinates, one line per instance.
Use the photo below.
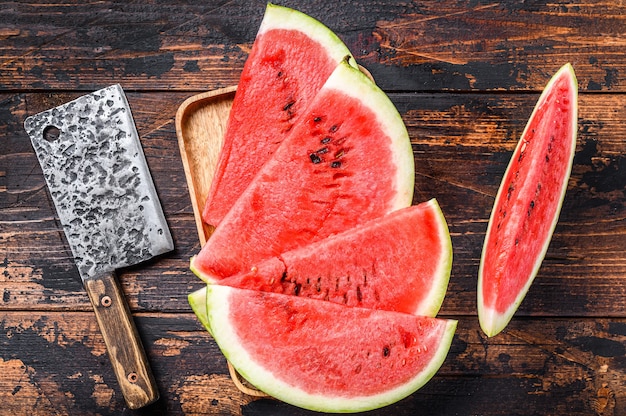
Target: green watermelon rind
(491, 321)
(279, 17)
(197, 301)
(263, 379)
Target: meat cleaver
(98, 178)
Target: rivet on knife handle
(122, 341)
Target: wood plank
(566, 366)
(461, 144)
(453, 45)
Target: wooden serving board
(200, 126)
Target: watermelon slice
(348, 161)
(291, 58)
(528, 203)
(400, 262)
(324, 356)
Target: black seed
(283, 277)
(547, 158)
(335, 164)
(517, 241)
(325, 140)
(315, 158)
(296, 289)
(280, 74)
(317, 119)
(288, 105)
(386, 351)
(333, 128)
(359, 295)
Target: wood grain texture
(546, 367)
(123, 345)
(426, 46)
(465, 76)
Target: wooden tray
(200, 126)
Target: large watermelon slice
(324, 356)
(348, 161)
(291, 58)
(528, 203)
(400, 262)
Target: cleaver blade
(97, 175)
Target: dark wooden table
(465, 76)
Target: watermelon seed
(403, 362)
(359, 295)
(510, 191)
(333, 128)
(335, 164)
(315, 158)
(280, 74)
(357, 370)
(272, 281)
(322, 151)
(254, 269)
(288, 105)
(326, 140)
(317, 119)
(283, 278)
(339, 153)
(296, 289)
(386, 351)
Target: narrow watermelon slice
(400, 262)
(528, 203)
(348, 161)
(324, 356)
(291, 58)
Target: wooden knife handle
(122, 341)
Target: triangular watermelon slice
(291, 58)
(348, 161)
(528, 203)
(400, 262)
(324, 356)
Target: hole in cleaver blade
(97, 175)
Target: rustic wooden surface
(464, 75)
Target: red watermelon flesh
(400, 262)
(291, 58)
(528, 203)
(348, 161)
(324, 356)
